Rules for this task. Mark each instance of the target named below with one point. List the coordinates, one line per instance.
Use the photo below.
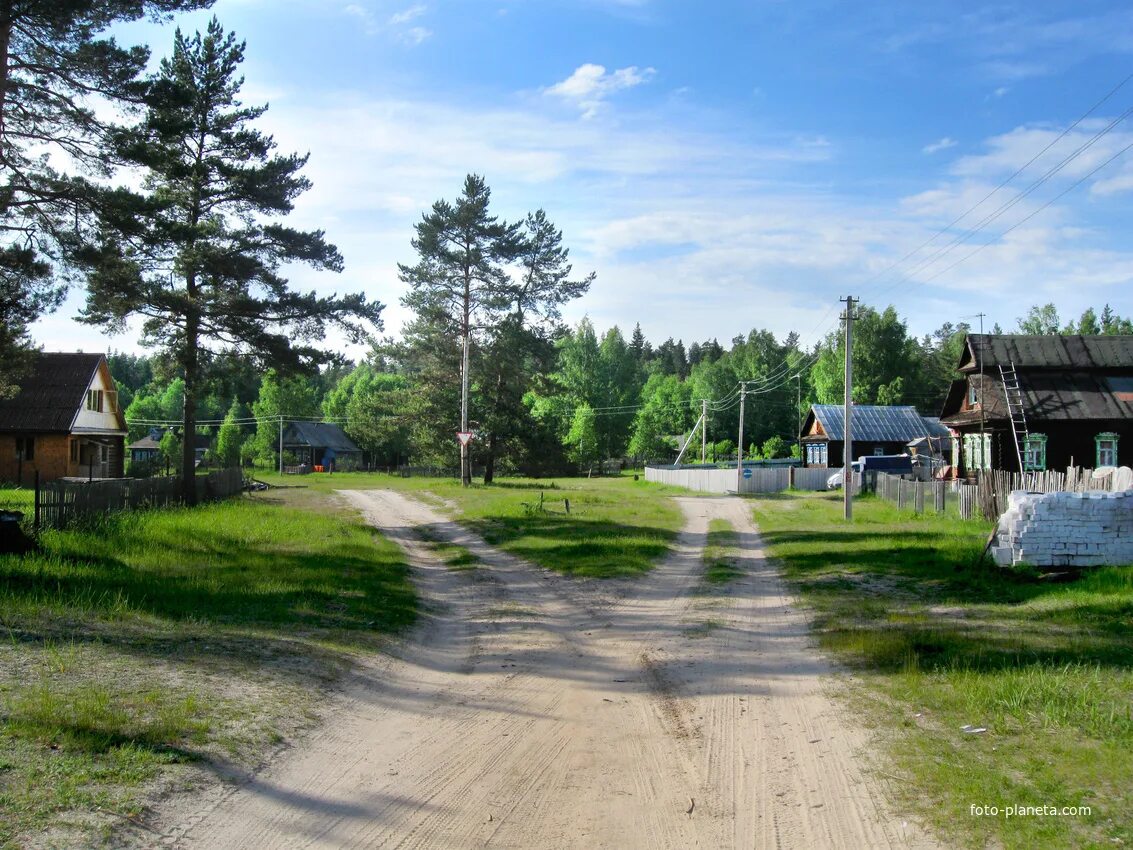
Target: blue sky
(721, 166)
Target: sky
(721, 166)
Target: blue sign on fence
(747, 473)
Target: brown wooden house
(1076, 394)
(64, 422)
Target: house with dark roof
(65, 421)
(320, 444)
(1074, 393)
(876, 430)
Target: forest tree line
(584, 396)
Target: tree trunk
(490, 461)
(189, 362)
(5, 42)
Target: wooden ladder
(1014, 395)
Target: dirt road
(532, 711)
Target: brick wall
(1066, 529)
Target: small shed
(320, 444)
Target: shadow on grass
(895, 593)
(182, 587)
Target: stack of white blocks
(1066, 529)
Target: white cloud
(395, 24)
(941, 145)
(590, 85)
(407, 15)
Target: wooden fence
(987, 498)
(58, 503)
(763, 479)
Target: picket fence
(987, 498)
(58, 503)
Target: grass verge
(148, 642)
(616, 527)
(942, 642)
(720, 553)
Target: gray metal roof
(877, 423)
(321, 435)
(1050, 395)
(1055, 351)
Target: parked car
(895, 464)
(834, 482)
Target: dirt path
(531, 711)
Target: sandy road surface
(531, 711)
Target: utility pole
(281, 444)
(847, 415)
(983, 390)
(740, 440)
(465, 460)
(799, 414)
(704, 431)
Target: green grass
(616, 528)
(939, 640)
(174, 637)
(17, 499)
(720, 553)
(457, 558)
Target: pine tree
(459, 278)
(213, 187)
(52, 66)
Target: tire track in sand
(528, 710)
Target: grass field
(941, 642)
(616, 527)
(176, 637)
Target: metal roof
(877, 423)
(318, 435)
(1053, 395)
(1055, 351)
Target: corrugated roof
(319, 435)
(1056, 351)
(51, 394)
(1056, 395)
(876, 423)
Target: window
(878, 451)
(74, 451)
(1107, 449)
(94, 400)
(816, 453)
(1034, 453)
(25, 448)
(973, 396)
(977, 452)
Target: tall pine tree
(199, 258)
(53, 65)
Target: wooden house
(321, 444)
(876, 430)
(1075, 393)
(64, 422)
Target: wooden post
(35, 522)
